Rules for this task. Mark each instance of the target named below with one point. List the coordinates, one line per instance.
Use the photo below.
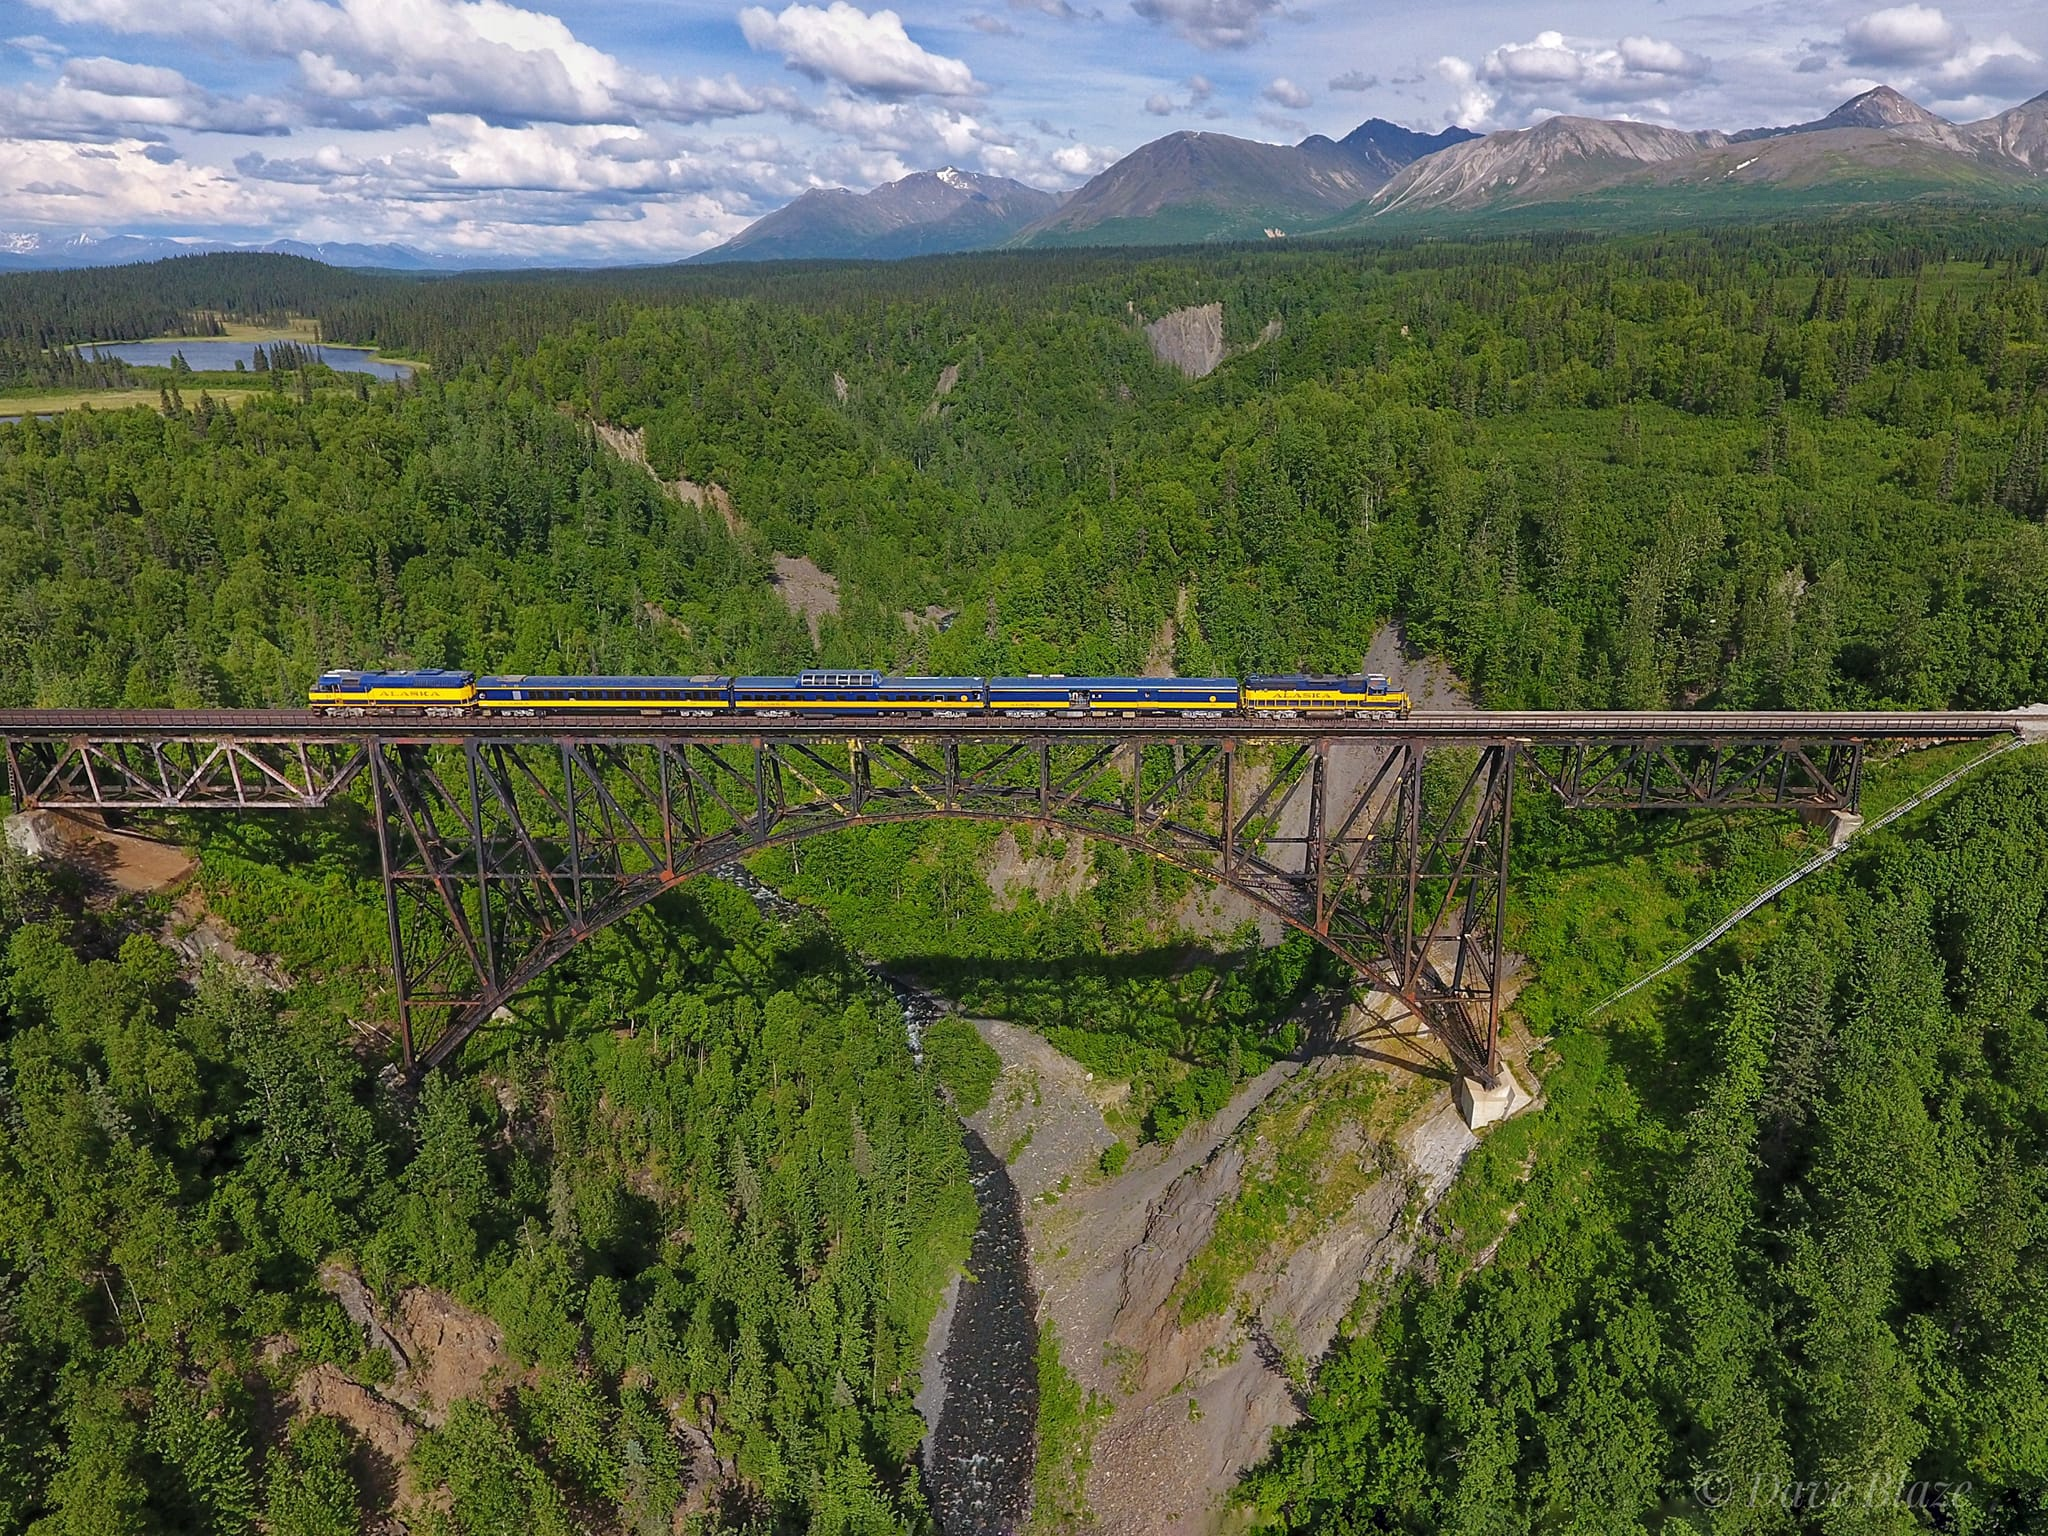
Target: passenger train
(520, 695)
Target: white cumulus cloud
(1899, 35)
(1199, 88)
(1554, 73)
(1083, 159)
(1475, 103)
(102, 98)
(2003, 67)
(868, 53)
(115, 185)
(1653, 56)
(497, 60)
(1283, 92)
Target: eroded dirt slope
(1195, 1290)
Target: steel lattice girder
(198, 773)
(1663, 773)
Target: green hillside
(1781, 1221)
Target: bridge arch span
(467, 1017)
(501, 857)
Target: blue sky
(649, 129)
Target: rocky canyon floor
(1193, 1291)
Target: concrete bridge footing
(1481, 1106)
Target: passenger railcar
(524, 694)
(1054, 694)
(859, 693)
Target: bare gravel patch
(809, 591)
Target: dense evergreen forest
(1776, 1256)
(1782, 1223)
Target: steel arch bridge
(504, 844)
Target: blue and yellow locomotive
(438, 691)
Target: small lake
(214, 355)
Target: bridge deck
(1479, 725)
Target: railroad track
(309, 726)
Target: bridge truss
(503, 845)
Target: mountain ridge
(1204, 185)
(1878, 146)
(924, 214)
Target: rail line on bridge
(505, 843)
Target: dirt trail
(1196, 1403)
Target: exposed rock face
(455, 1352)
(1200, 1398)
(1047, 873)
(632, 447)
(114, 862)
(809, 591)
(1550, 160)
(442, 1351)
(948, 377)
(2020, 135)
(384, 1432)
(1189, 339)
(200, 938)
(346, 1287)
(1195, 1402)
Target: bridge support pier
(1482, 1106)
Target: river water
(211, 354)
(980, 1454)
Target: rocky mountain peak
(1882, 107)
